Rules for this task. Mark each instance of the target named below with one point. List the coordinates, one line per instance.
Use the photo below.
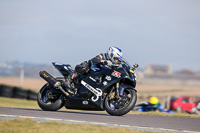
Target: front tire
(50, 99)
(131, 98)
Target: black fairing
(64, 69)
(101, 80)
(74, 102)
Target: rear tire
(48, 104)
(130, 103)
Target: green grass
(167, 114)
(31, 126)
(18, 103)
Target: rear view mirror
(136, 65)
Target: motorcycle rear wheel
(126, 107)
(50, 104)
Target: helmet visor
(117, 60)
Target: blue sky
(156, 31)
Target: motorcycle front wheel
(119, 106)
(50, 99)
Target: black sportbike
(102, 88)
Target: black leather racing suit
(101, 59)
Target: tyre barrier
(6, 91)
(31, 95)
(16, 92)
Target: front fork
(117, 90)
(116, 97)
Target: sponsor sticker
(105, 83)
(58, 63)
(132, 71)
(108, 78)
(44, 74)
(85, 102)
(96, 91)
(66, 68)
(92, 79)
(116, 74)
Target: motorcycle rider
(110, 58)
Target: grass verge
(18, 103)
(31, 126)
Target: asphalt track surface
(131, 121)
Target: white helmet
(114, 54)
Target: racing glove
(107, 62)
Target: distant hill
(27, 69)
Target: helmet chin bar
(114, 54)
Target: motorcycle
(102, 88)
